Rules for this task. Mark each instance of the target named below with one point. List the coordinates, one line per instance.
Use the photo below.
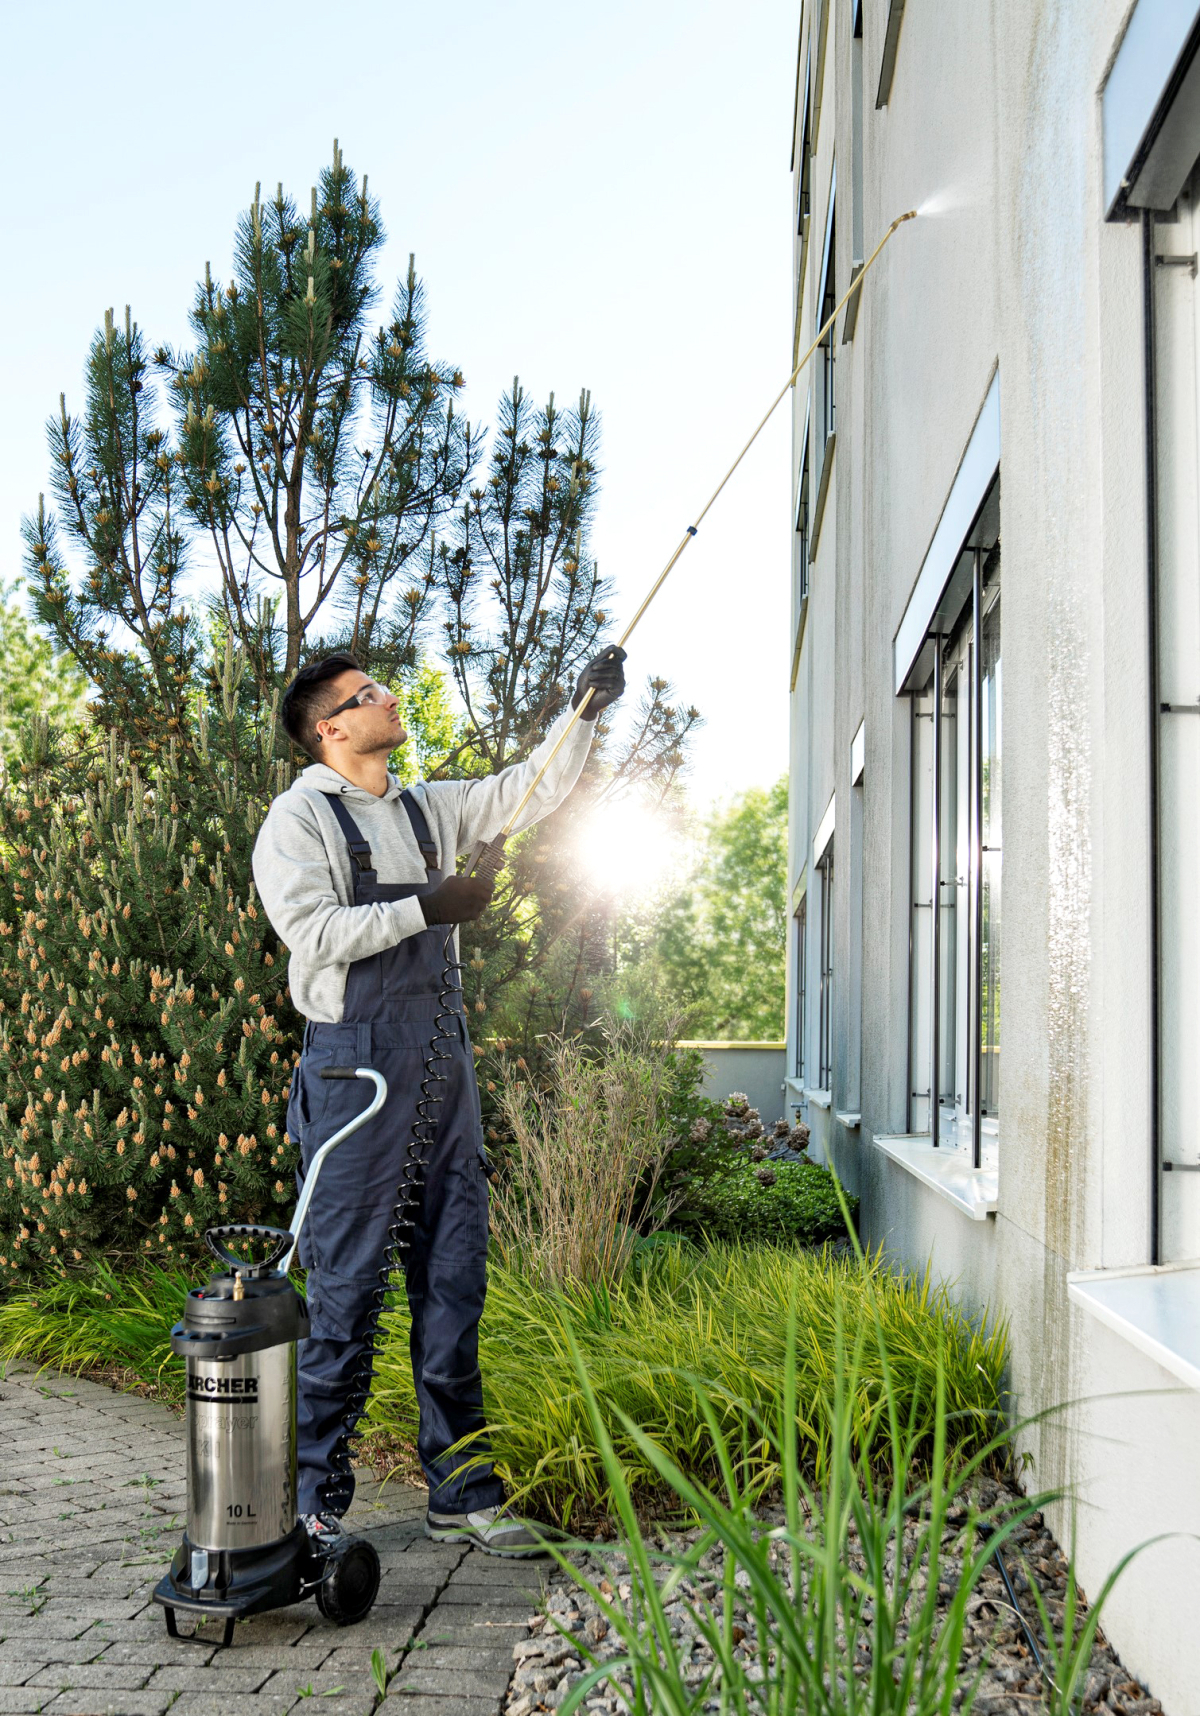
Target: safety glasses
(366, 695)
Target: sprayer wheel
(349, 1588)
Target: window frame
(946, 976)
(826, 299)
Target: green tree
(715, 946)
(35, 679)
(312, 450)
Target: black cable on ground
(987, 1531)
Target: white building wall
(993, 131)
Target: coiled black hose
(339, 1487)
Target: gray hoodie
(303, 874)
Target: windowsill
(852, 1121)
(820, 1098)
(1155, 1308)
(947, 1171)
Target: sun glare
(626, 849)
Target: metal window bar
(975, 997)
(825, 1031)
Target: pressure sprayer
(244, 1550)
(239, 1334)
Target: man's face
(366, 727)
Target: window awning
(970, 520)
(1151, 108)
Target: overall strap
(360, 852)
(420, 828)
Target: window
(828, 300)
(954, 1030)
(802, 163)
(825, 1017)
(856, 137)
(802, 518)
(804, 175)
(1176, 391)
(801, 922)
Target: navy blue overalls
(392, 999)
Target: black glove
(457, 900)
(604, 677)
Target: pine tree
(312, 459)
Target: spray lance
(487, 856)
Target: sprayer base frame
(254, 1580)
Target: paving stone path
(92, 1504)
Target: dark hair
(307, 699)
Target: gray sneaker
(489, 1528)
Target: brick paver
(92, 1503)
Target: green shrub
(146, 1035)
(774, 1201)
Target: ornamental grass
(718, 1317)
(679, 1317)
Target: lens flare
(625, 849)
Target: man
(358, 879)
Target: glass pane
(990, 866)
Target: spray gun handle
(215, 1240)
(486, 857)
(314, 1167)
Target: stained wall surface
(992, 131)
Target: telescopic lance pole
(493, 849)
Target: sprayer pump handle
(339, 1072)
(216, 1236)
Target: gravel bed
(548, 1665)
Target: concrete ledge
(820, 1098)
(973, 1191)
(1154, 1308)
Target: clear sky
(597, 196)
